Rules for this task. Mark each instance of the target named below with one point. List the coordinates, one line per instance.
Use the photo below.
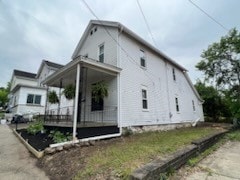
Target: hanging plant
(99, 91)
(52, 97)
(69, 91)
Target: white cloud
(32, 30)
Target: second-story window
(174, 74)
(101, 53)
(142, 58)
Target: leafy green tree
(221, 66)
(3, 97)
(215, 105)
(221, 61)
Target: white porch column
(76, 102)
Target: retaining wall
(153, 169)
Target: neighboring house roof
(27, 86)
(24, 74)
(124, 29)
(50, 64)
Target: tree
(3, 97)
(221, 61)
(221, 66)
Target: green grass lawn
(122, 157)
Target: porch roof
(67, 74)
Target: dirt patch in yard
(65, 165)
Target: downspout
(119, 80)
(76, 102)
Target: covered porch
(85, 114)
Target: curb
(36, 153)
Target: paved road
(223, 164)
(16, 163)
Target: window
(142, 59)
(95, 29)
(174, 75)
(97, 105)
(91, 32)
(85, 56)
(193, 105)
(34, 99)
(101, 53)
(177, 104)
(144, 99)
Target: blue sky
(32, 30)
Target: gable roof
(24, 74)
(50, 64)
(133, 35)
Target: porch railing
(87, 116)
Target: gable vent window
(177, 104)
(95, 29)
(101, 53)
(174, 74)
(142, 59)
(91, 32)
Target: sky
(32, 30)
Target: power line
(220, 24)
(146, 22)
(132, 60)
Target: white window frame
(144, 99)
(34, 98)
(177, 104)
(143, 56)
(99, 53)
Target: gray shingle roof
(52, 64)
(24, 74)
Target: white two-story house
(25, 96)
(28, 96)
(146, 88)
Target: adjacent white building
(146, 87)
(27, 94)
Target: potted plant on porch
(99, 90)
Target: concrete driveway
(16, 163)
(223, 164)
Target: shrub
(35, 127)
(59, 137)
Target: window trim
(193, 106)
(144, 99)
(177, 105)
(33, 100)
(143, 58)
(174, 74)
(99, 46)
